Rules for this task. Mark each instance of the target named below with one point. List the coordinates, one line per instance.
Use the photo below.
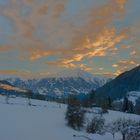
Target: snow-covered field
(43, 121)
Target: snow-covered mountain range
(64, 83)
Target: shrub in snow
(74, 114)
(96, 125)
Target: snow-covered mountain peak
(78, 73)
(71, 73)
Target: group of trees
(127, 106)
(124, 106)
(106, 103)
(130, 130)
(75, 117)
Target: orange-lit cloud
(4, 48)
(121, 3)
(124, 63)
(65, 34)
(104, 41)
(14, 72)
(34, 53)
(118, 72)
(133, 53)
(43, 10)
(46, 31)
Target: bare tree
(123, 126)
(111, 128)
(134, 131)
(29, 96)
(7, 98)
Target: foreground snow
(43, 121)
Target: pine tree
(130, 107)
(109, 102)
(125, 106)
(104, 106)
(92, 97)
(90, 100)
(137, 106)
(74, 114)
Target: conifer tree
(74, 114)
(125, 106)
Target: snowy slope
(133, 96)
(45, 121)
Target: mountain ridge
(121, 85)
(7, 88)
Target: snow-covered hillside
(62, 84)
(133, 96)
(43, 121)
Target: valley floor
(43, 121)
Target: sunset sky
(42, 37)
